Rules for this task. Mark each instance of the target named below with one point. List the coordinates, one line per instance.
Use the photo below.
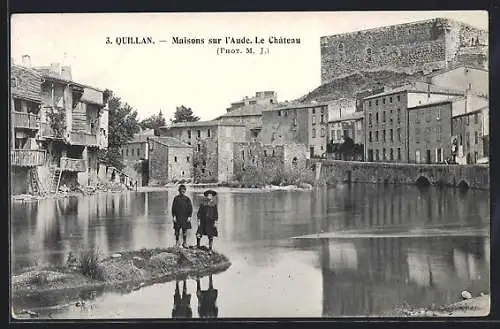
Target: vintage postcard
(249, 165)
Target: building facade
(429, 133)
(387, 120)
(260, 98)
(137, 148)
(213, 146)
(297, 124)
(467, 131)
(418, 46)
(170, 160)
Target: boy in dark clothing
(207, 219)
(182, 210)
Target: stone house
(467, 130)
(25, 152)
(297, 123)
(137, 148)
(170, 160)
(429, 134)
(424, 46)
(349, 125)
(387, 122)
(213, 146)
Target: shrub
(89, 264)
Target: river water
(389, 245)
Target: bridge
(462, 176)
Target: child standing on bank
(182, 210)
(207, 219)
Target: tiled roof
(248, 110)
(348, 116)
(170, 141)
(47, 74)
(210, 123)
(27, 84)
(418, 88)
(142, 137)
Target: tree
(184, 114)
(347, 147)
(123, 125)
(154, 121)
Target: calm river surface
(354, 274)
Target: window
(295, 122)
(122, 153)
(189, 143)
(198, 148)
(467, 120)
(399, 98)
(279, 113)
(391, 155)
(476, 118)
(286, 113)
(322, 132)
(376, 136)
(265, 153)
(323, 109)
(183, 173)
(418, 117)
(438, 117)
(175, 159)
(376, 118)
(369, 103)
(376, 102)
(399, 153)
(476, 137)
(369, 120)
(399, 134)
(377, 155)
(417, 135)
(390, 117)
(208, 133)
(383, 116)
(384, 157)
(427, 134)
(13, 82)
(383, 100)
(383, 134)
(187, 159)
(138, 152)
(399, 115)
(467, 139)
(438, 133)
(189, 134)
(198, 132)
(313, 119)
(370, 136)
(390, 99)
(314, 133)
(204, 163)
(126, 152)
(428, 116)
(392, 136)
(322, 118)
(341, 47)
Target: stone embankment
(131, 269)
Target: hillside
(348, 86)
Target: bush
(89, 264)
(261, 176)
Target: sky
(164, 75)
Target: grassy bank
(130, 268)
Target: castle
(417, 47)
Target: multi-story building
(350, 125)
(137, 148)
(468, 130)
(260, 98)
(25, 153)
(387, 119)
(170, 160)
(297, 124)
(74, 124)
(213, 146)
(429, 134)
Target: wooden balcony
(26, 120)
(70, 164)
(46, 131)
(83, 138)
(27, 158)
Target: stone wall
(475, 176)
(295, 156)
(20, 180)
(227, 135)
(206, 163)
(425, 45)
(181, 163)
(285, 126)
(158, 164)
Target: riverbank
(131, 269)
(474, 307)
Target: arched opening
(463, 186)
(422, 182)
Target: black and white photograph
(232, 165)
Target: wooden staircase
(54, 179)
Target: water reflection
(359, 276)
(207, 300)
(182, 304)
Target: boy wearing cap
(182, 210)
(207, 219)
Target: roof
(45, 72)
(211, 123)
(438, 102)
(247, 110)
(459, 66)
(297, 105)
(169, 141)
(470, 112)
(349, 116)
(141, 137)
(420, 88)
(28, 84)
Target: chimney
(26, 60)
(66, 73)
(55, 69)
